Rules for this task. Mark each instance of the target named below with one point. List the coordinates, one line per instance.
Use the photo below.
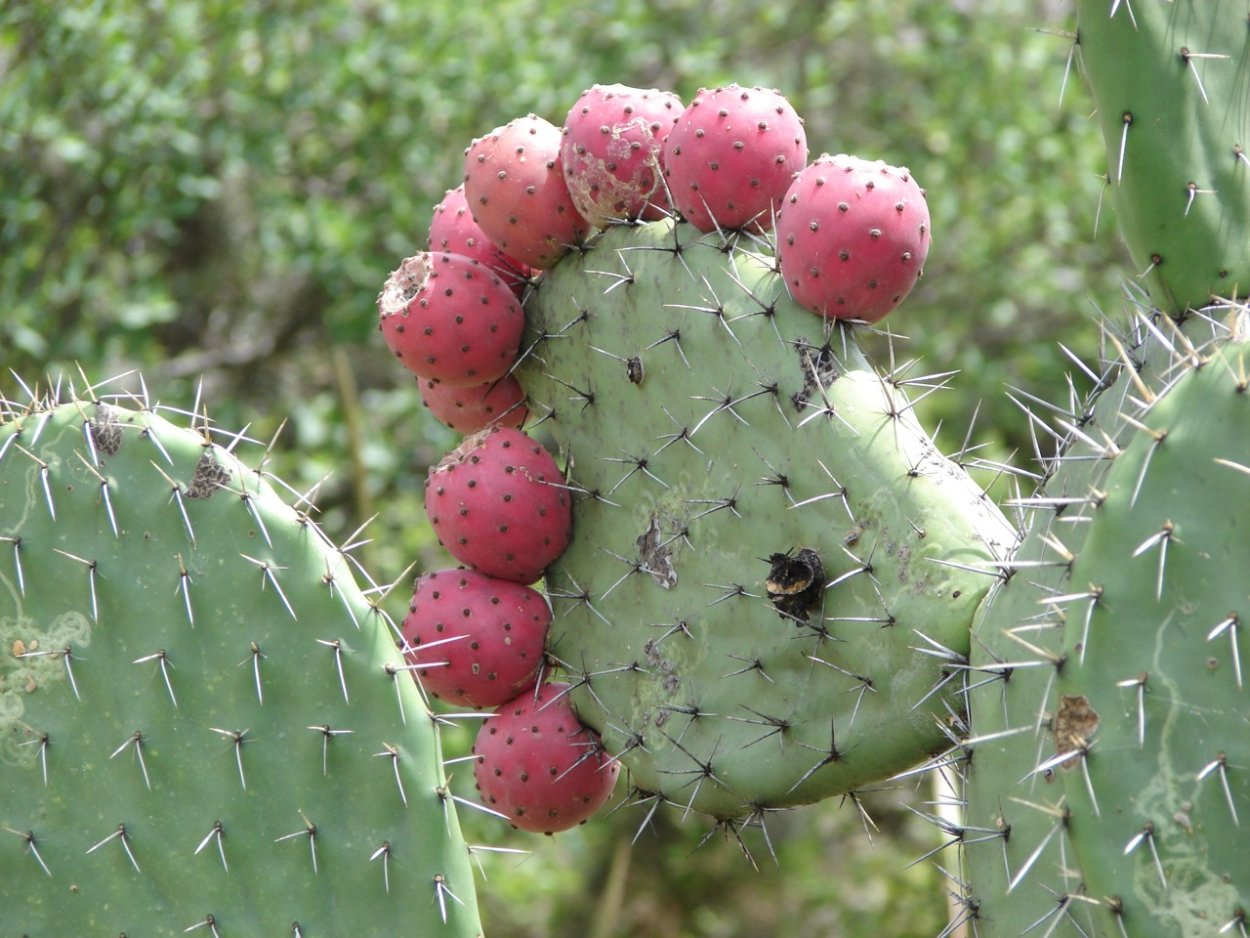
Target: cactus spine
(204, 723)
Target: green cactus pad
(203, 728)
(1015, 857)
(1024, 828)
(1154, 710)
(769, 587)
(1169, 80)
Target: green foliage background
(211, 192)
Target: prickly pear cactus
(1107, 716)
(1152, 710)
(1016, 858)
(1100, 779)
(205, 726)
(1169, 81)
(768, 592)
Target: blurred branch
(612, 899)
(349, 400)
(246, 352)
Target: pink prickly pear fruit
(514, 181)
(498, 503)
(453, 230)
(613, 139)
(467, 410)
(731, 155)
(475, 640)
(539, 766)
(451, 319)
(852, 237)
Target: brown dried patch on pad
(1075, 725)
(210, 475)
(105, 430)
(796, 583)
(820, 369)
(656, 555)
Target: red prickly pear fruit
(449, 318)
(731, 156)
(613, 139)
(475, 640)
(852, 237)
(514, 181)
(499, 504)
(453, 230)
(539, 766)
(467, 410)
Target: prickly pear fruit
(498, 503)
(453, 231)
(514, 181)
(731, 155)
(852, 237)
(449, 318)
(467, 410)
(539, 766)
(476, 640)
(613, 139)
